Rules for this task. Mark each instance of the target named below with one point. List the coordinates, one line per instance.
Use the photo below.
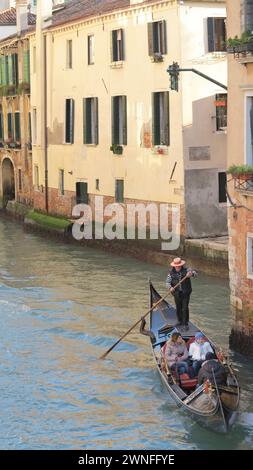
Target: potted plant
(242, 172)
(116, 149)
(157, 57)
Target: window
(118, 52)
(161, 126)
(119, 191)
(250, 255)
(249, 130)
(97, 184)
(26, 66)
(12, 69)
(20, 179)
(36, 177)
(82, 193)
(4, 75)
(34, 137)
(17, 127)
(29, 131)
(69, 54)
(61, 182)
(34, 59)
(157, 42)
(246, 15)
(90, 121)
(91, 50)
(221, 111)
(216, 32)
(69, 121)
(119, 120)
(10, 126)
(222, 181)
(1, 127)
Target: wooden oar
(219, 399)
(138, 321)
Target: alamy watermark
(128, 221)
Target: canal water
(61, 307)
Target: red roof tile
(76, 10)
(8, 18)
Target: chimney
(22, 16)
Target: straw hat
(177, 262)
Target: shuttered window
(160, 118)
(118, 46)
(157, 38)
(119, 191)
(90, 121)
(36, 177)
(4, 70)
(69, 54)
(222, 186)
(61, 182)
(26, 66)
(246, 15)
(69, 121)
(20, 179)
(10, 126)
(91, 52)
(1, 128)
(82, 193)
(29, 131)
(17, 127)
(216, 31)
(119, 120)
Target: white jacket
(198, 350)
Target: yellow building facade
(99, 85)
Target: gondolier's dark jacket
(175, 277)
(210, 367)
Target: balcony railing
(244, 183)
(242, 52)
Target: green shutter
(96, 120)
(26, 66)
(166, 118)
(211, 34)
(1, 127)
(10, 70)
(84, 122)
(9, 126)
(114, 51)
(156, 118)
(15, 68)
(113, 120)
(17, 127)
(3, 71)
(119, 191)
(124, 120)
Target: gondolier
(183, 292)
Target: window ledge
(160, 150)
(90, 145)
(119, 64)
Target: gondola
(210, 405)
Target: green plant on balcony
(116, 149)
(3, 90)
(243, 172)
(240, 44)
(23, 87)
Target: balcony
(244, 183)
(242, 47)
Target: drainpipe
(45, 123)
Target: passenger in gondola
(212, 367)
(176, 354)
(198, 350)
(183, 292)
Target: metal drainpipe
(45, 123)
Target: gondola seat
(187, 382)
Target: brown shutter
(150, 39)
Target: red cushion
(186, 382)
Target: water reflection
(61, 308)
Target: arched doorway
(8, 181)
